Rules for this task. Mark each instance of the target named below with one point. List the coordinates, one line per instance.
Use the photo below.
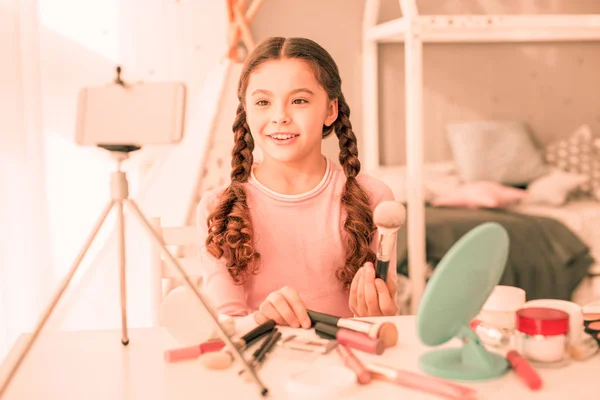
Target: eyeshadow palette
(591, 322)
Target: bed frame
(416, 30)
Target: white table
(94, 365)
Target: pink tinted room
(161, 240)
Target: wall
(335, 24)
(23, 248)
(553, 87)
(80, 44)
(153, 40)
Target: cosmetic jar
(500, 307)
(575, 316)
(542, 335)
(188, 321)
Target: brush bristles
(389, 215)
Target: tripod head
(121, 148)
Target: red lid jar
(542, 321)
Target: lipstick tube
(524, 370)
(191, 352)
(355, 340)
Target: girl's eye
(300, 101)
(262, 103)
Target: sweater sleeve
(226, 296)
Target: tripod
(119, 188)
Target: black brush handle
(257, 332)
(320, 317)
(381, 269)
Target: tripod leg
(122, 261)
(159, 242)
(57, 296)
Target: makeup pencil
(260, 354)
(269, 344)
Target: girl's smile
(283, 138)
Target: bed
(555, 249)
(547, 258)
(415, 31)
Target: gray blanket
(546, 259)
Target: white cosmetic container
(542, 335)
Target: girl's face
(286, 109)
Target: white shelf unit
(414, 31)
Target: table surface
(95, 365)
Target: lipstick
(524, 370)
(353, 339)
(191, 352)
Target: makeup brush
(386, 331)
(388, 216)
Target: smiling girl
(294, 231)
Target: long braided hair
(229, 225)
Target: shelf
(491, 28)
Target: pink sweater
(300, 241)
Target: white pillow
(498, 151)
(553, 188)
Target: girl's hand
(370, 296)
(284, 307)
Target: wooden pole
(370, 78)
(413, 64)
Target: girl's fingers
(386, 302)
(280, 303)
(354, 292)
(371, 297)
(361, 306)
(268, 310)
(297, 306)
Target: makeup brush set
(342, 335)
(370, 337)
